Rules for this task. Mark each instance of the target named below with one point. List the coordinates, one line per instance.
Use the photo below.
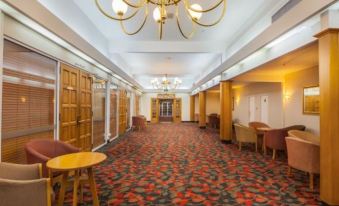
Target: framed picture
(311, 100)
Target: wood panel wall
(113, 112)
(122, 111)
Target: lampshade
(195, 15)
(119, 7)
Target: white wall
(145, 105)
(275, 110)
(294, 84)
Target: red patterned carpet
(179, 164)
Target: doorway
(252, 108)
(166, 110)
(264, 109)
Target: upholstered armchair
(23, 185)
(245, 135)
(275, 138)
(303, 153)
(42, 150)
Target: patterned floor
(180, 164)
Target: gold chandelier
(193, 11)
(166, 84)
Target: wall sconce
(23, 99)
(287, 96)
(237, 100)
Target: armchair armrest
(25, 192)
(20, 172)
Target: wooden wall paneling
(128, 112)
(85, 111)
(177, 110)
(192, 108)
(329, 115)
(113, 112)
(154, 110)
(202, 109)
(226, 111)
(122, 111)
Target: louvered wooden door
(154, 110)
(85, 108)
(76, 107)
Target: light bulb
(157, 15)
(119, 7)
(195, 15)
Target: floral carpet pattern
(180, 164)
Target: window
(28, 100)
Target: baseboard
(226, 141)
(202, 127)
(187, 121)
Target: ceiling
(144, 56)
(274, 71)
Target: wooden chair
(24, 185)
(245, 135)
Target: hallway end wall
(145, 105)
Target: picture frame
(311, 100)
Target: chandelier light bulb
(157, 14)
(195, 15)
(119, 7)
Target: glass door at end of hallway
(166, 111)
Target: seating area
(169, 102)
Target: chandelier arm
(190, 35)
(187, 2)
(113, 17)
(202, 24)
(136, 6)
(139, 29)
(160, 29)
(166, 4)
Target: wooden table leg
(63, 189)
(75, 188)
(93, 186)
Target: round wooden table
(76, 162)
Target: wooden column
(226, 111)
(202, 110)
(192, 108)
(329, 115)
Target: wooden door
(177, 110)
(122, 111)
(69, 105)
(76, 107)
(85, 112)
(154, 110)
